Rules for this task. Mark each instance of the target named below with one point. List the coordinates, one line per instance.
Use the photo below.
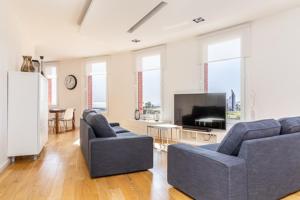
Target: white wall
(121, 90)
(71, 98)
(182, 72)
(274, 71)
(271, 76)
(10, 59)
(121, 87)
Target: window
(222, 73)
(149, 85)
(51, 75)
(97, 86)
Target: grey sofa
(255, 161)
(123, 153)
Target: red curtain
(140, 91)
(90, 92)
(49, 91)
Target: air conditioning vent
(84, 12)
(150, 14)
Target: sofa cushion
(100, 125)
(119, 129)
(290, 125)
(86, 112)
(242, 131)
(127, 134)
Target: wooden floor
(61, 173)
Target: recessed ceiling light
(135, 40)
(198, 20)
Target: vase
(42, 65)
(156, 116)
(27, 65)
(137, 114)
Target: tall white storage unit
(27, 114)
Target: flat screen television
(205, 111)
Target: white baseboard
(4, 165)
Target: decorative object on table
(27, 65)
(137, 114)
(147, 114)
(70, 82)
(156, 116)
(36, 65)
(42, 65)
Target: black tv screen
(200, 111)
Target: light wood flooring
(61, 173)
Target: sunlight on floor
(77, 142)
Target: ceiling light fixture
(147, 16)
(198, 20)
(135, 40)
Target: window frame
(88, 64)
(52, 65)
(223, 36)
(138, 56)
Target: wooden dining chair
(68, 117)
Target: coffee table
(165, 129)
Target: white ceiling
(51, 25)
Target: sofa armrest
(86, 134)
(206, 174)
(113, 124)
(117, 155)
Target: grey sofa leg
(12, 160)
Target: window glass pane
(149, 85)
(54, 91)
(150, 62)
(99, 91)
(97, 85)
(50, 72)
(151, 88)
(224, 50)
(224, 74)
(224, 77)
(98, 68)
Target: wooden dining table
(57, 111)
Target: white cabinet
(27, 113)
